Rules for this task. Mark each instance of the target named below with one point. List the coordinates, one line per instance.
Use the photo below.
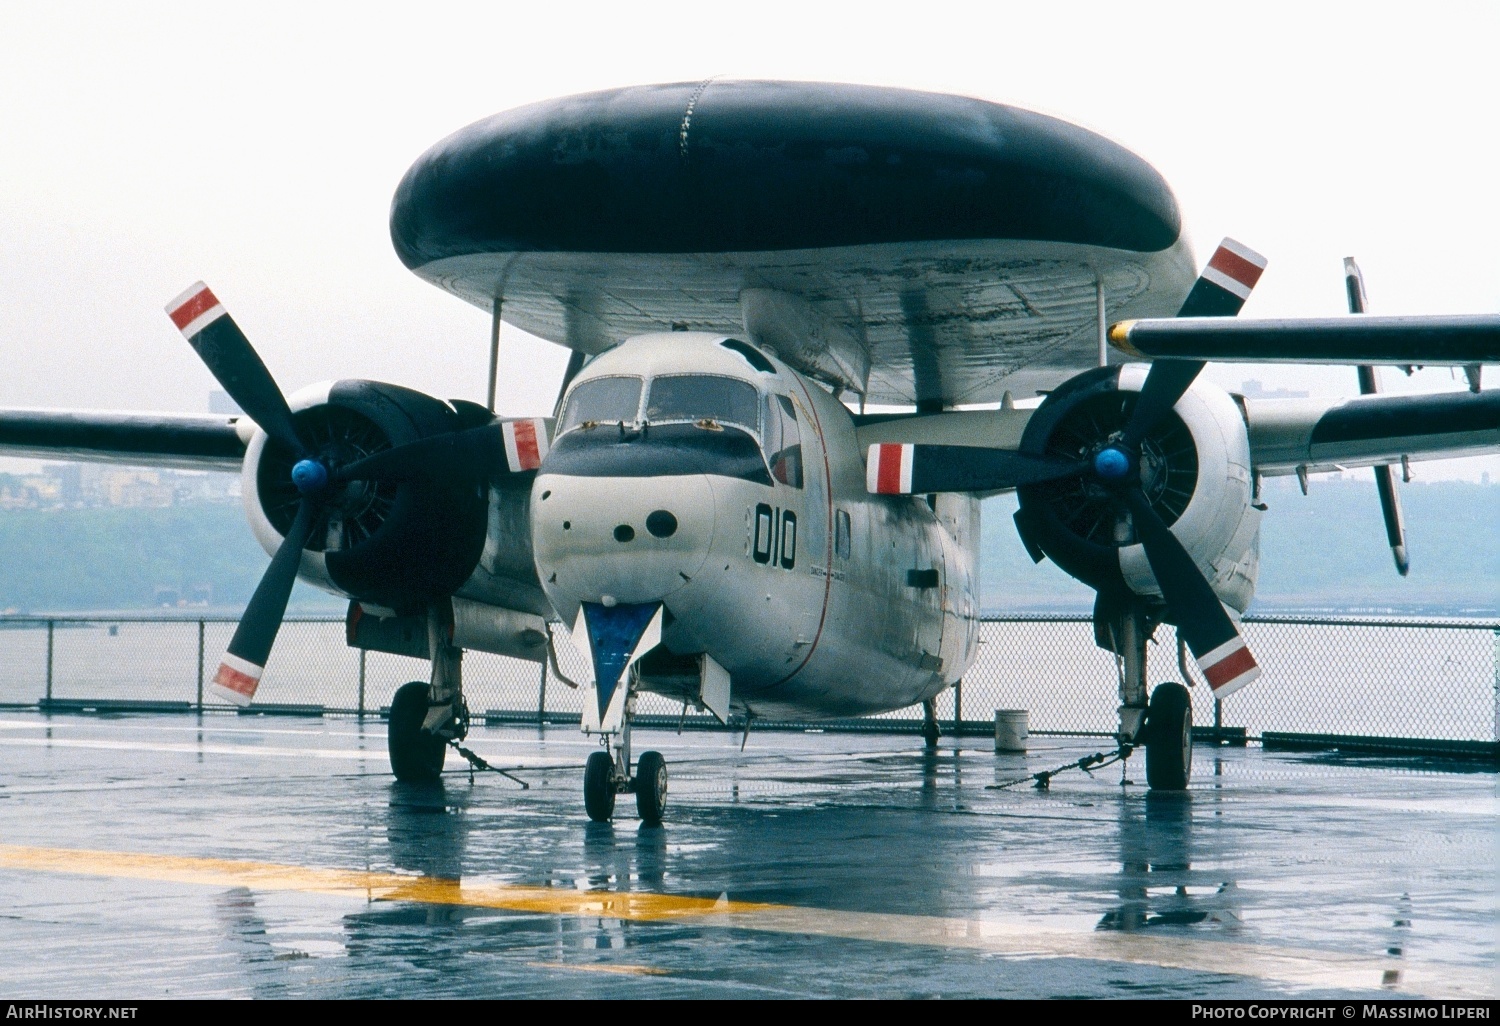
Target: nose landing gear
(607, 774)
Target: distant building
(1253, 389)
(69, 477)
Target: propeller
(233, 362)
(1202, 620)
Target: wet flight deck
(147, 856)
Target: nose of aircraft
(619, 540)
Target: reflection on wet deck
(150, 856)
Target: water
(1389, 680)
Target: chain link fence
(1396, 678)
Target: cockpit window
(706, 399)
(612, 400)
(783, 440)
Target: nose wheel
(607, 774)
(599, 788)
(651, 787)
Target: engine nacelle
(1195, 470)
(392, 544)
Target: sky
(256, 147)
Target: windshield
(613, 400)
(706, 398)
(783, 440)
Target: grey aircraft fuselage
(818, 598)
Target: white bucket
(1010, 730)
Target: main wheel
(651, 787)
(416, 756)
(1169, 738)
(599, 787)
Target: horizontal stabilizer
(1438, 340)
(895, 469)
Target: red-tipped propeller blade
(907, 469)
(239, 674)
(1220, 291)
(490, 450)
(1215, 641)
(233, 362)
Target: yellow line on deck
(1303, 967)
(602, 967)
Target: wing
(143, 439)
(1302, 435)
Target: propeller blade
(486, 451)
(239, 674)
(456, 454)
(1220, 291)
(1215, 641)
(1369, 384)
(1395, 523)
(233, 362)
(1166, 382)
(907, 469)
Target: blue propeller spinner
(1110, 463)
(309, 476)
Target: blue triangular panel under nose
(614, 632)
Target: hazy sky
(256, 146)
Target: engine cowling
(398, 545)
(1195, 471)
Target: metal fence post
(361, 683)
(51, 624)
(200, 667)
(541, 697)
(958, 708)
(1497, 683)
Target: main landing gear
(607, 774)
(1165, 724)
(930, 733)
(416, 755)
(425, 718)
(1169, 738)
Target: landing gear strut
(930, 731)
(426, 717)
(1165, 725)
(607, 774)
